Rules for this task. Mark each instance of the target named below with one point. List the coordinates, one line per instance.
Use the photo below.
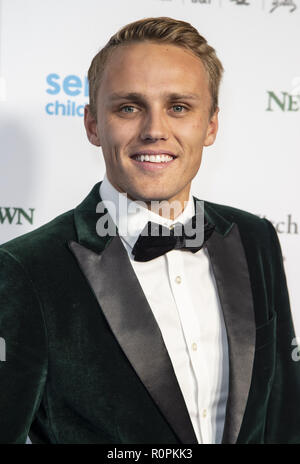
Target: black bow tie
(156, 240)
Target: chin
(149, 195)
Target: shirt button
(194, 346)
(204, 413)
(178, 279)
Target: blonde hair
(160, 30)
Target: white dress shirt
(182, 294)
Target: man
(113, 336)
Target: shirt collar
(130, 217)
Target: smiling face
(153, 100)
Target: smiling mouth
(153, 158)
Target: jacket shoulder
(44, 240)
(249, 224)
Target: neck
(168, 209)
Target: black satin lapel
(232, 278)
(130, 318)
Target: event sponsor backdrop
(47, 165)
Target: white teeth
(154, 158)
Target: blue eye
(178, 106)
(126, 107)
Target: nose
(154, 127)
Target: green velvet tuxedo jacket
(85, 358)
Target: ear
(90, 124)
(212, 129)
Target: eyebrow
(140, 97)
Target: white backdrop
(47, 166)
